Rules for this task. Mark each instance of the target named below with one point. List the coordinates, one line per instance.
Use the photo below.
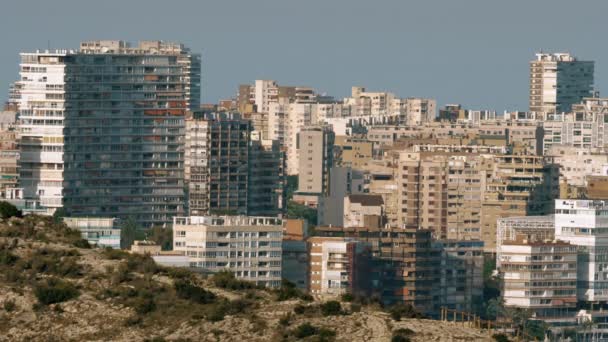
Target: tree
(291, 187)
(8, 210)
(129, 233)
(494, 308)
(162, 236)
(296, 210)
(59, 214)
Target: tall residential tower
(557, 81)
(102, 128)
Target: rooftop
(366, 200)
(228, 221)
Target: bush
(226, 280)
(57, 262)
(500, 338)
(55, 291)
(285, 319)
(288, 290)
(82, 243)
(331, 308)
(9, 305)
(186, 290)
(115, 254)
(399, 311)
(402, 335)
(305, 330)
(7, 258)
(8, 210)
(347, 297)
(144, 304)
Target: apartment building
(520, 185)
(461, 274)
(266, 177)
(584, 223)
(540, 276)
(338, 266)
(403, 265)
(98, 231)
(250, 247)
(102, 128)
(315, 150)
(557, 81)
(408, 111)
(353, 152)
(9, 152)
(363, 210)
(295, 261)
(217, 163)
(530, 228)
(441, 188)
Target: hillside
(54, 288)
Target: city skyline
(331, 48)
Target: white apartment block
(576, 163)
(99, 231)
(411, 111)
(540, 276)
(533, 228)
(584, 223)
(248, 246)
(557, 81)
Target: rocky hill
(54, 287)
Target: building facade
(557, 81)
(102, 128)
(250, 247)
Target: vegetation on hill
(53, 284)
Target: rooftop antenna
(48, 44)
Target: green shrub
(7, 258)
(347, 297)
(9, 305)
(54, 290)
(399, 311)
(500, 338)
(8, 210)
(144, 304)
(326, 334)
(82, 243)
(186, 290)
(331, 308)
(226, 280)
(304, 330)
(402, 335)
(115, 254)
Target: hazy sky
(474, 52)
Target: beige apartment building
(337, 266)
(363, 210)
(248, 246)
(315, 149)
(459, 192)
(353, 152)
(382, 180)
(520, 185)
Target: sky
(472, 52)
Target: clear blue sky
(474, 52)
